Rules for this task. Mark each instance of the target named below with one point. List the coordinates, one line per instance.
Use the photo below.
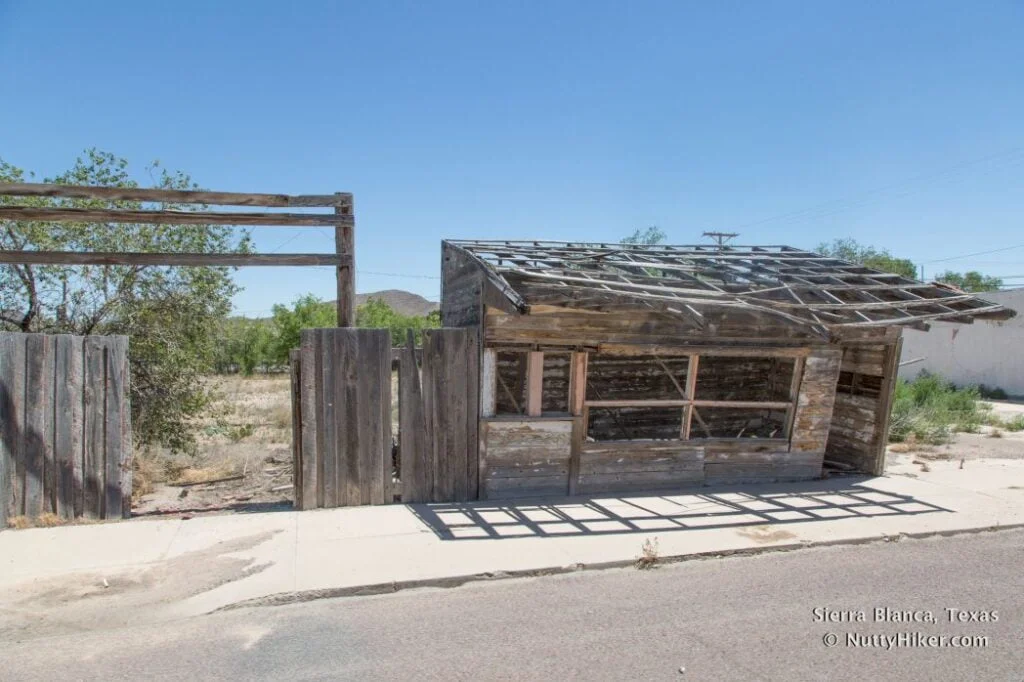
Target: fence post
(344, 245)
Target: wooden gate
(342, 418)
(438, 417)
(66, 443)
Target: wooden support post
(344, 245)
(577, 383)
(534, 383)
(489, 383)
(577, 400)
(794, 395)
(691, 388)
(886, 392)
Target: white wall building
(990, 353)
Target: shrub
(992, 393)
(1014, 424)
(929, 409)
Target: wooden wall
(859, 430)
(552, 455)
(521, 458)
(639, 465)
(590, 329)
(66, 445)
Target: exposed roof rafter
(796, 285)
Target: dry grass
(248, 424)
(45, 520)
(649, 554)
(19, 522)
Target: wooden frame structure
(607, 368)
(165, 212)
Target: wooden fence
(66, 444)
(342, 440)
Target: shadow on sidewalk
(734, 506)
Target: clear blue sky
(900, 124)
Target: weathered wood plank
(534, 383)
(682, 350)
(39, 461)
(12, 430)
(377, 412)
(116, 450)
(435, 341)
(414, 449)
(457, 353)
(597, 483)
(170, 259)
(308, 352)
(489, 383)
(763, 456)
(474, 348)
(351, 466)
(295, 365)
(524, 486)
(331, 405)
(430, 407)
(157, 217)
(745, 444)
(728, 473)
(94, 441)
(815, 404)
(450, 358)
(32, 189)
(643, 448)
(345, 250)
(886, 395)
(794, 395)
(462, 284)
(577, 407)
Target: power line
(976, 253)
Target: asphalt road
(750, 618)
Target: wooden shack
(610, 368)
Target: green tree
(310, 312)
(652, 235)
(170, 314)
(868, 256)
(971, 281)
(377, 314)
(244, 346)
(307, 312)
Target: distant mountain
(404, 302)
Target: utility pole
(722, 238)
(922, 272)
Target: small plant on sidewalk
(649, 554)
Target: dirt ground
(245, 437)
(903, 459)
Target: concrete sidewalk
(61, 579)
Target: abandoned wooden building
(610, 368)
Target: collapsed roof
(801, 286)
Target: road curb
(286, 598)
